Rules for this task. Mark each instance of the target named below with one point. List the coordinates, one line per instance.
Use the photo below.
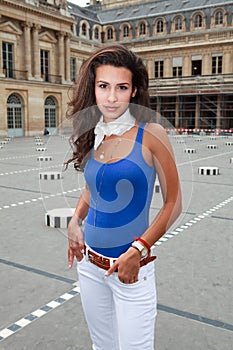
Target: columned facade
(188, 54)
(35, 61)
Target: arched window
(50, 112)
(109, 34)
(218, 18)
(198, 21)
(178, 23)
(142, 28)
(159, 26)
(125, 31)
(96, 33)
(84, 29)
(14, 112)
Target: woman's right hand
(76, 240)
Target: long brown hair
(82, 108)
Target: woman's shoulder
(156, 136)
(155, 129)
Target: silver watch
(141, 248)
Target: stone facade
(35, 54)
(186, 46)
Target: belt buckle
(90, 257)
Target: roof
(158, 8)
(142, 11)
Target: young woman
(121, 152)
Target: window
(159, 69)
(84, 29)
(178, 23)
(44, 64)
(125, 31)
(198, 21)
(219, 18)
(50, 113)
(8, 59)
(14, 112)
(96, 33)
(196, 64)
(217, 64)
(110, 34)
(142, 29)
(177, 66)
(159, 26)
(72, 68)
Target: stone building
(37, 48)
(185, 44)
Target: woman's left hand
(127, 266)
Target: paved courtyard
(40, 304)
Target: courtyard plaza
(40, 305)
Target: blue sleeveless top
(120, 198)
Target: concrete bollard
(41, 149)
(211, 146)
(59, 218)
(190, 150)
(50, 175)
(208, 170)
(44, 158)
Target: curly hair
(86, 118)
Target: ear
(134, 92)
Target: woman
(121, 152)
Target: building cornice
(28, 9)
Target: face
(113, 91)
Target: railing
(23, 75)
(15, 74)
(196, 84)
(51, 78)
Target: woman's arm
(157, 141)
(75, 232)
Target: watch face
(144, 253)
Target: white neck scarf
(117, 127)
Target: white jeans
(119, 316)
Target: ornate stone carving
(62, 4)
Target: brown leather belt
(105, 263)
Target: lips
(111, 108)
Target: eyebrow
(106, 82)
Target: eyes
(119, 87)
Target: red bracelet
(144, 243)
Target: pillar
(177, 112)
(186, 66)
(27, 48)
(197, 112)
(227, 63)
(61, 63)
(167, 67)
(206, 64)
(158, 110)
(218, 115)
(151, 68)
(36, 51)
(67, 56)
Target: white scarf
(117, 127)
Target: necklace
(102, 156)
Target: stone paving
(40, 304)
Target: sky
(79, 2)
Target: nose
(112, 97)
